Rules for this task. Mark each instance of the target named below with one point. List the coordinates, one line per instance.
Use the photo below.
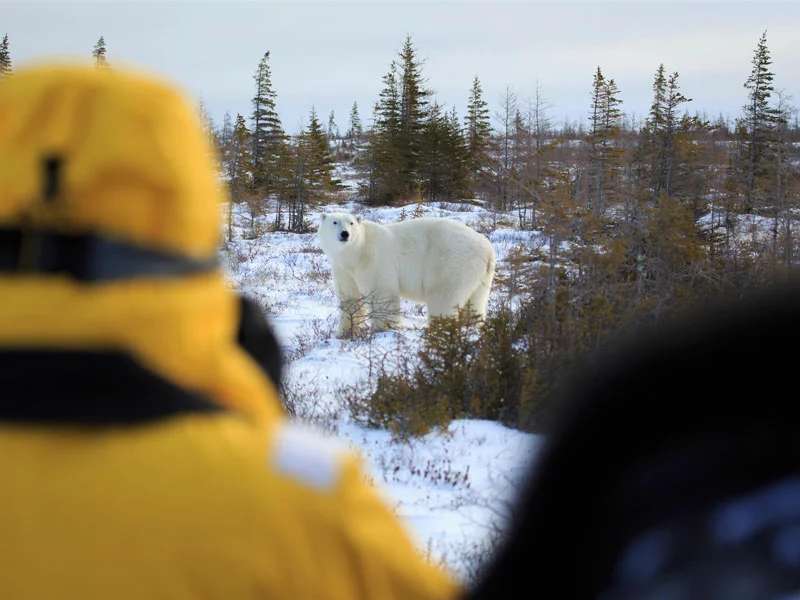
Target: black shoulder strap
(90, 257)
(91, 388)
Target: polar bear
(440, 262)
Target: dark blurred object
(257, 338)
(673, 468)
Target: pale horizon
(331, 54)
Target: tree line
(638, 223)
(418, 150)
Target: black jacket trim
(91, 388)
(91, 257)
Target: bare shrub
(463, 368)
(488, 223)
(309, 337)
(362, 313)
(306, 400)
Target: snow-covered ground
(452, 487)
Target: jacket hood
(90, 154)
(135, 162)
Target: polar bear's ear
(359, 218)
(322, 217)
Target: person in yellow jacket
(144, 450)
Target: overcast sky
(331, 54)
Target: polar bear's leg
(352, 306)
(441, 304)
(384, 309)
(447, 304)
(479, 299)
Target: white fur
(440, 262)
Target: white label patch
(307, 456)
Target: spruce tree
(758, 126)
(604, 159)
(207, 122)
(224, 141)
(225, 132)
(239, 170)
(672, 128)
(268, 134)
(355, 130)
(312, 167)
(320, 157)
(333, 129)
(332, 135)
(366, 160)
(387, 180)
(433, 158)
(414, 101)
(478, 131)
(99, 53)
(399, 129)
(649, 156)
(658, 149)
(458, 182)
(5, 57)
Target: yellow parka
(143, 451)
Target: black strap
(88, 388)
(90, 257)
(257, 337)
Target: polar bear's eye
(335, 222)
(351, 222)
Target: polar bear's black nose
(344, 235)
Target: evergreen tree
(603, 136)
(5, 57)
(399, 129)
(333, 134)
(320, 157)
(312, 168)
(433, 158)
(413, 113)
(457, 175)
(268, 135)
(355, 130)
(649, 155)
(99, 53)
(333, 129)
(239, 170)
(226, 131)
(758, 126)
(596, 140)
(387, 180)
(785, 171)
(224, 139)
(478, 132)
(366, 160)
(673, 127)
(207, 122)
(659, 134)
(240, 167)
(690, 177)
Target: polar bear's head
(339, 231)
